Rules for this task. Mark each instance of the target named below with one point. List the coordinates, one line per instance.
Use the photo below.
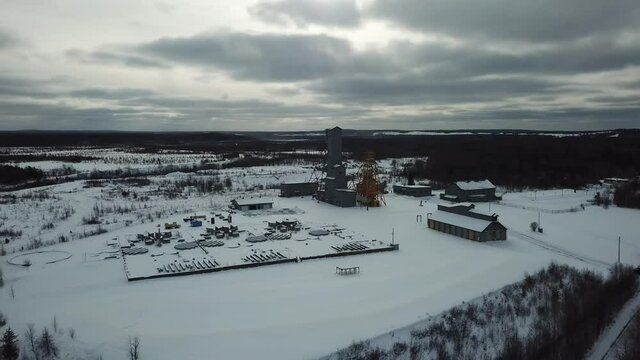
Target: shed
(474, 191)
(251, 204)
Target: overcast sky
(310, 64)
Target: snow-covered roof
(475, 185)
(462, 221)
(299, 183)
(252, 201)
(460, 204)
(414, 186)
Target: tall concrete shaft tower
(333, 188)
(334, 146)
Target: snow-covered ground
(607, 345)
(302, 310)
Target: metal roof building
(460, 221)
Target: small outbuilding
(471, 191)
(460, 220)
(412, 190)
(251, 204)
(291, 189)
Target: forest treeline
(628, 194)
(513, 161)
(555, 314)
(15, 175)
(523, 161)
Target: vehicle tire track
(558, 250)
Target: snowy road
(606, 345)
(558, 250)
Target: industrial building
(291, 189)
(470, 191)
(412, 190)
(333, 187)
(251, 204)
(460, 220)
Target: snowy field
(294, 310)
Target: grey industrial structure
(333, 188)
(471, 191)
(290, 189)
(460, 220)
(412, 190)
(251, 204)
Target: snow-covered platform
(258, 241)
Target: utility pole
(393, 235)
(538, 218)
(618, 250)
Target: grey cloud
(108, 93)
(286, 91)
(538, 21)
(126, 108)
(25, 87)
(111, 57)
(583, 56)
(8, 39)
(265, 57)
(416, 88)
(339, 13)
(516, 118)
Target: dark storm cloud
(339, 13)
(265, 57)
(529, 21)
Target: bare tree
(1, 278)
(32, 343)
(47, 345)
(134, 348)
(55, 324)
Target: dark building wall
(410, 191)
(495, 231)
(346, 198)
(298, 189)
(476, 195)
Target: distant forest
(514, 161)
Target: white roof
(475, 185)
(414, 186)
(460, 220)
(252, 201)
